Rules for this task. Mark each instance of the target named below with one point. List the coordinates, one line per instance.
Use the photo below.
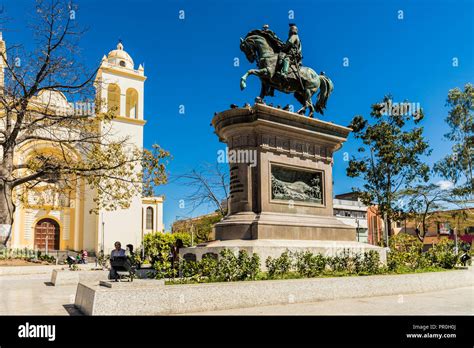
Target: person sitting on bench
(117, 252)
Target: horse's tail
(326, 87)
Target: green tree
(423, 200)
(390, 156)
(457, 167)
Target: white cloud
(445, 184)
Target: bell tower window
(132, 103)
(113, 99)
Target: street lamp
(103, 241)
(455, 241)
(143, 244)
(357, 229)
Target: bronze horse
(264, 48)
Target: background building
(349, 209)
(200, 227)
(152, 214)
(442, 224)
(375, 226)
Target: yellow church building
(58, 221)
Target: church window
(149, 218)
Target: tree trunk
(7, 208)
(423, 223)
(389, 228)
(385, 230)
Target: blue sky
(190, 62)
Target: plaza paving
(32, 295)
(458, 301)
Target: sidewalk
(33, 295)
(37, 269)
(458, 301)
(29, 295)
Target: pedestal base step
(249, 225)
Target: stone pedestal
(280, 175)
(280, 178)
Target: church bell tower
(120, 87)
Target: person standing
(175, 252)
(84, 256)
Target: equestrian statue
(280, 67)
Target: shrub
(228, 266)
(310, 265)
(249, 266)
(443, 255)
(354, 262)
(208, 267)
(164, 269)
(102, 259)
(280, 266)
(405, 253)
(406, 256)
(25, 254)
(158, 246)
(46, 257)
(347, 263)
(188, 269)
(341, 263)
(370, 262)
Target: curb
(92, 299)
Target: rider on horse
(279, 68)
(291, 52)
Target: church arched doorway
(47, 230)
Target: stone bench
(150, 297)
(67, 277)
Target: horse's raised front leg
(257, 72)
(243, 79)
